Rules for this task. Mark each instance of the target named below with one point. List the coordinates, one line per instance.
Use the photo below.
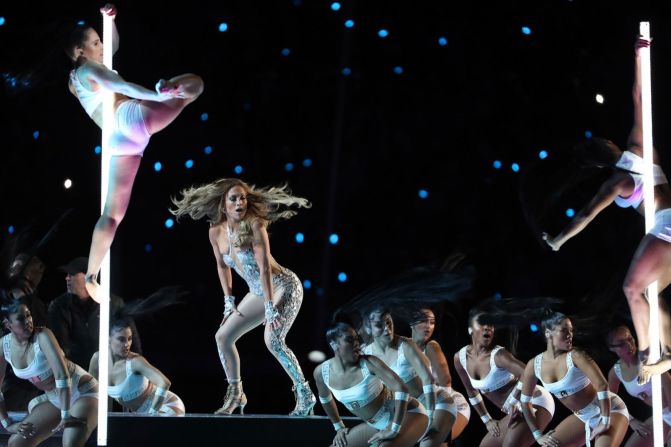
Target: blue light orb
(333, 239)
(383, 33)
(346, 71)
(497, 164)
(169, 223)
(543, 154)
(188, 164)
(300, 238)
(570, 212)
(97, 150)
(533, 327)
(342, 276)
(237, 169)
(307, 284)
(2, 20)
(423, 193)
(286, 51)
(204, 116)
(442, 41)
(158, 166)
(515, 167)
(588, 134)
(335, 6)
(10, 229)
(223, 27)
(289, 167)
(207, 150)
(526, 30)
(349, 23)
(398, 70)
(148, 248)
(307, 163)
(36, 134)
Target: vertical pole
(104, 289)
(649, 203)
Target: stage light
(526, 30)
(2, 20)
(204, 117)
(349, 23)
(342, 276)
(599, 98)
(97, 150)
(188, 164)
(10, 229)
(515, 167)
(346, 71)
(588, 134)
(286, 51)
(543, 154)
(237, 169)
(207, 150)
(223, 27)
(333, 239)
(158, 166)
(383, 33)
(442, 41)
(316, 356)
(148, 248)
(169, 223)
(398, 70)
(289, 167)
(423, 193)
(67, 184)
(81, 23)
(533, 327)
(307, 163)
(300, 237)
(498, 296)
(335, 6)
(497, 164)
(307, 284)
(36, 134)
(570, 212)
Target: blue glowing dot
(588, 134)
(307, 163)
(158, 166)
(349, 23)
(298, 2)
(10, 229)
(207, 150)
(148, 248)
(346, 71)
(286, 51)
(442, 41)
(333, 239)
(497, 164)
(543, 154)
(533, 327)
(526, 30)
(342, 276)
(188, 164)
(237, 169)
(335, 6)
(383, 33)
(498, 296)
(169, 223)
(570, 212)
(223, 27)
(300, 237)
(307, 284)
(398, 70)
(36, 134)
(423, 193)
(289, 167)
(2, 20)
(204, 117)
(81, 23)
(515, 167)
(97, 149)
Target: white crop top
(131, 388)
(37, 371)
(631, 162)
(358, 395)
(633, 388)
(402, 366)
(495, 378)
(574, 380)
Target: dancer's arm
(441, 370)
(401, 396)
(109, 80)
(261, 247)
(584, 362)
(140, 365)
(475, 398)
(529, 385)
(635, 140)
(93, 365)
(611, 188)
(504, 359)
(421, 364)
(110, 10)
(7, 422)
(224, 273)
(330, 408)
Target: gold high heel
(235, 398)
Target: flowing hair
(268, 204)
(164, 297)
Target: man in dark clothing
(74, 316)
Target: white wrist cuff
(395, 427)
(63, 383)
(338, 425)
(400, 395)
(519, 385)
(537, 434)
(431, 388)
(524, 398)
(160, 391)
(326, 400)
(485, 418)
(6, 422)
(603, 395)
(65, 414)
(475, 399)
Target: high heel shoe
(305, 400)
(235, 398)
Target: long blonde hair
(268, 204)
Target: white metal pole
(649, 203)
(104, 289)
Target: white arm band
(6, 422)
(431, 388)
(326, 400)
(605, 420)
(524, 398)
(63, 383)
(338, 425)
(537, 434)
(519, 385)
(400, 395)
(65, 414)
(485, 418)
(476, 399)
(395, 427)
(603, 395)
(160, 391)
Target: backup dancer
(239, 215)
(485, 368)
(138, 114)
(575, 379)
(371, 391)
